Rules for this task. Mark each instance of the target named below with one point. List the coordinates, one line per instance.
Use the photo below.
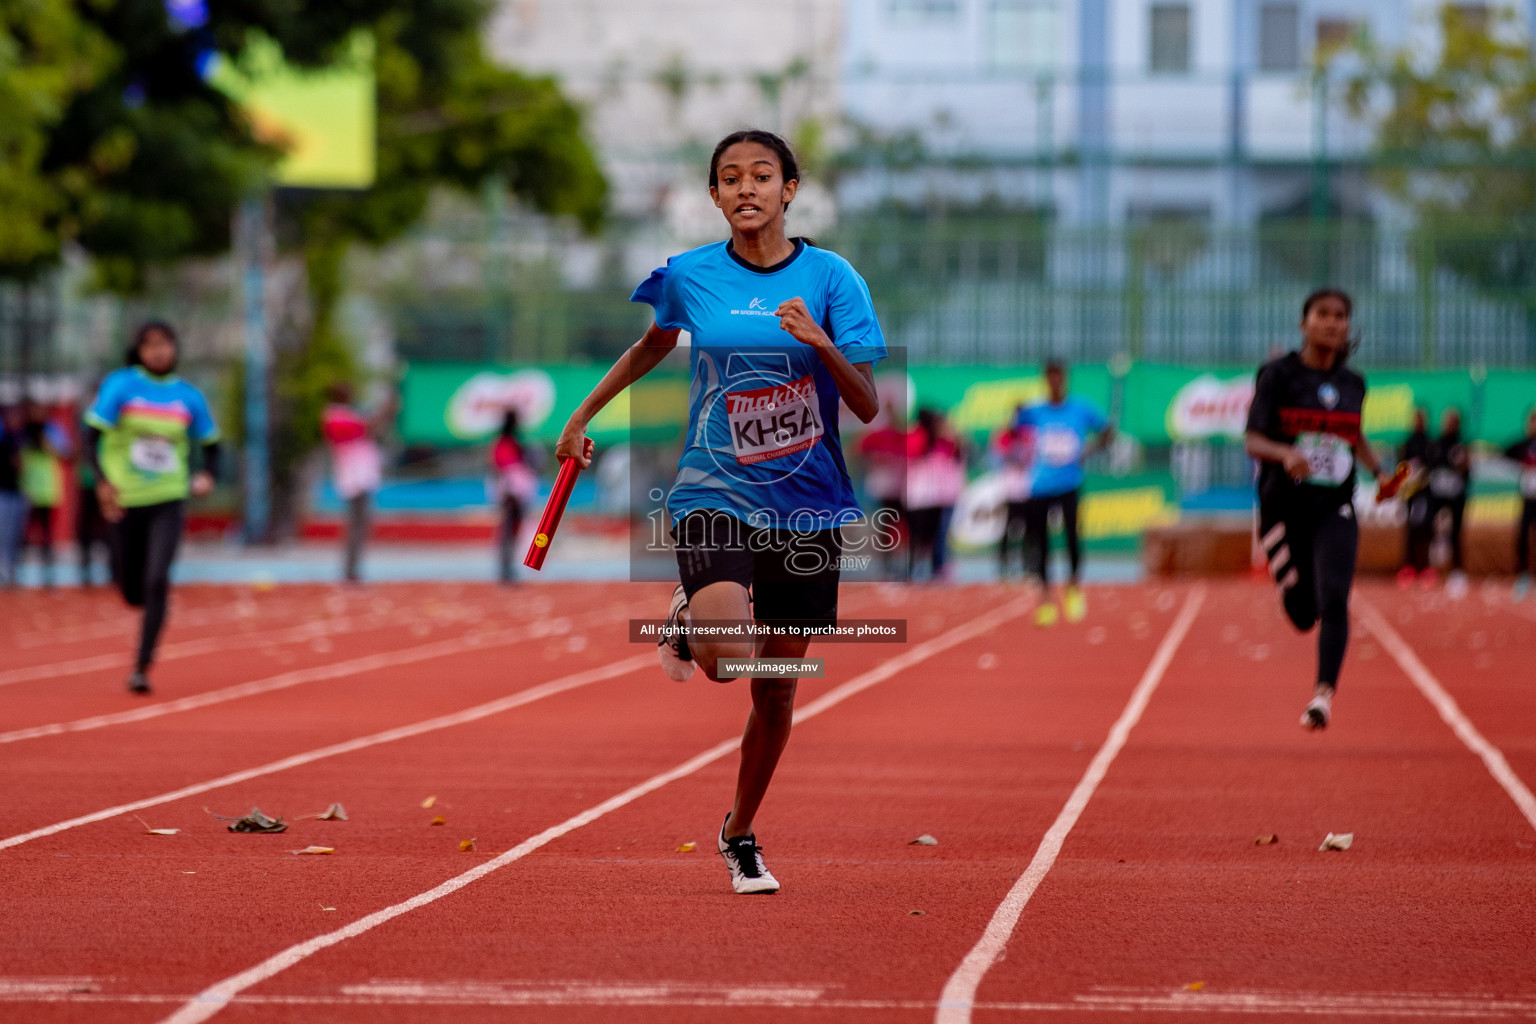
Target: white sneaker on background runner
(1319, 711)
(672, 648)
(749, 875)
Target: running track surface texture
(1096, 791)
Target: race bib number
(772, 422)
(1329, 457)
(1528, 483)
(1059, 446)
(151, 454)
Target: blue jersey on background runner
(762, 441)
(1061, 432)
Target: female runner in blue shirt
(781, 332)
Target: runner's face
(1530, 425)
(1326, 325)
(157, 352)
(752, 192)
(1056, 382)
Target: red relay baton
(554, 508)
(1388, 490)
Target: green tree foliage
(47, 56)
(111, 136)
(1456, 141)
(447, 117)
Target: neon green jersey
(148, 424)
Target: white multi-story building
(1116, 110)
(663, 80)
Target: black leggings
(1523, 538)
(506, 536)
(1421, 532)
(1037, 533)
(144, 545)
(1312, 558)
(1013, 535)
(40, 518)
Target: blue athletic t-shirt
(762, 441)
(1061, 432)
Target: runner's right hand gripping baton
(554, 508)
(1388, 490)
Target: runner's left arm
(1367, 457)
(1104, 435)
(855, 382)
(205, 432)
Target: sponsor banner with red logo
(448, 404)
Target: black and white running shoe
(672, 648)
(749, 875)
(138, 682)
(1319, 711)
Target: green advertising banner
(980, 400)
(450, 404)
(1508, 400)
(1175, 403)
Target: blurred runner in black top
(1415, 499)
(1524, 452)
(1449, 464)
(1304, 428)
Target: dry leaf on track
(428, 802)
(924, 840)
(466, 846)
(317, 850)
(254, 822)
(687, 847)
(1341, 841)
(335, 812)
(1269, 840)
(155, 831)
(438, 821)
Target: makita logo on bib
(764, 399)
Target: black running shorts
(791, 576)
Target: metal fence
(1175, 293)
(992, 287)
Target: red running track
(1158, 906)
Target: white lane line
(473, 714)
(126, 621)
(1445, 704)
(369, 663)
(619, 993)
(355, 666)
(322, 629)
(959, 995)
(214, 998)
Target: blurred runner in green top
(44, 447)
(138, 438)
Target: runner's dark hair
(787, 162)
(509, 425)
(131, 358)
(1318, 295)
